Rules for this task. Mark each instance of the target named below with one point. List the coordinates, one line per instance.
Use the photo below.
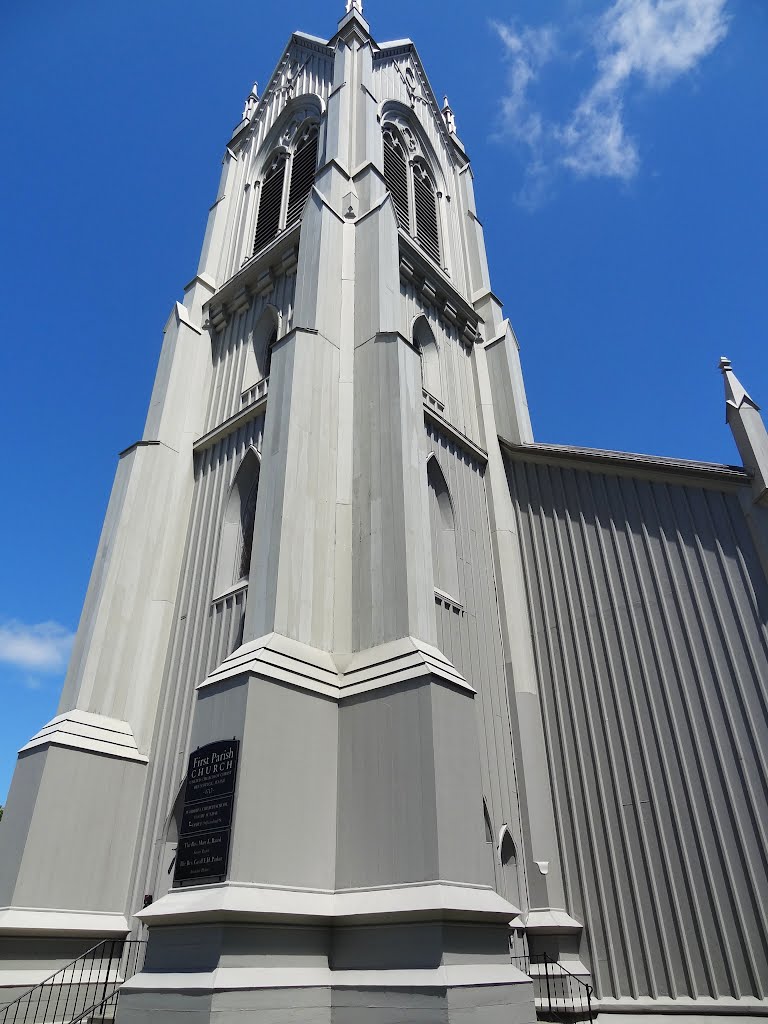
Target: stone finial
(742, 415)
(251, 102)
(355, 5)
(448, 114)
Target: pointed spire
(742, 415)
(448, 114)
(353, 20)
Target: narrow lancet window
(425, 344)
(445, 567)
(425, 207)
(236, 544)
(270, 203)
(396, 176)
(303, 168)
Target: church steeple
(742, 414)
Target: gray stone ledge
(244, 978)
(238, 901)
(95, 734)
(55, 921)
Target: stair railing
(73, 993)
(559, 994)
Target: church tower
(374, 699)
(286, 726)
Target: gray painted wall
(649, 610)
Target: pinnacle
(735, 394)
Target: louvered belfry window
(270, 203)
(303, 168)
(396, 176)
(413, 190)
(291, 171)
(425, 205)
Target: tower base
(424, 953)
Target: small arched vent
(270, 203)
(302, 173)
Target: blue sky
(619, 150)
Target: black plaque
(207, 815)
(202, 856)
(206, 820)
(211, 772)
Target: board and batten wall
(649, 609)
(469, 635)
(208, 624)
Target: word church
(380, 711)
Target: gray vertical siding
(649, 612)
(457, 377)
(230, 348)
(471, 637)
(206, 631)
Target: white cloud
(646, 42)
(42, 647)
(526, 51)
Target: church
(379, 710)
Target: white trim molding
(237, 901)
(96, 734)
(52, 921)
(282, 660)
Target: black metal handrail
(76, 991)
(559, 994)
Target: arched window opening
(259, 349)
(287, 181)
(425, 207)
(487, 821)
(270, 202)
(413, 189)
(268, 358)
(302, 173)
(425, 344)
(507, 849)
(236, 544)
(396, 175)
(247, 519)
(445, 567)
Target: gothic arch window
(396, 175)
(236, 544)
(445, 568)
(414, 191)
(425, 344)
(259, 351)
(506, 848)
(287, 178)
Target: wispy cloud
(41, 647)
(648, 43)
